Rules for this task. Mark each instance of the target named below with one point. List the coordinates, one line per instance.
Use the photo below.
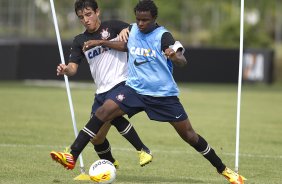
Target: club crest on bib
(105, 34)
(120, 97)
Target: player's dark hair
(82, 4)
(147, 5)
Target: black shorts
(165, 109)
(102, 97)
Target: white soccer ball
(102, 172)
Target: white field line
(131, 149)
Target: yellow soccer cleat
(232, 176)
(145, 157)
(116, 164)
(64, 158)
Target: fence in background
(38, 60)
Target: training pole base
(82, 177)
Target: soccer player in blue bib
(150, 86)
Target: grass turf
(36, 120)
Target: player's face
(145, 21)
(89, 18)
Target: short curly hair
(147, 5)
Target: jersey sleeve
(119, 25)
(76, 53)
(167, 40)
(129, 27)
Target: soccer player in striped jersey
(109, 71)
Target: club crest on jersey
(120, 97)
(105, 34)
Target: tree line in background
(194, 22)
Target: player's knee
(108, 111)
(102, 113)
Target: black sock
(104, 151)
(203, 147)
(126, 129)
(84, 136)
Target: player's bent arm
(176, 57)
(71, 69)
(179, 59)
(175, 52)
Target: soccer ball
(102, 172)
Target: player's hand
(169, 53)
(61, 68)
(176, 57)
(91, 43)
(123, 35)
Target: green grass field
(35, 120)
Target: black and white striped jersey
(108, 66)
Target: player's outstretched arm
(117, 45)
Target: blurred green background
(202, 23)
